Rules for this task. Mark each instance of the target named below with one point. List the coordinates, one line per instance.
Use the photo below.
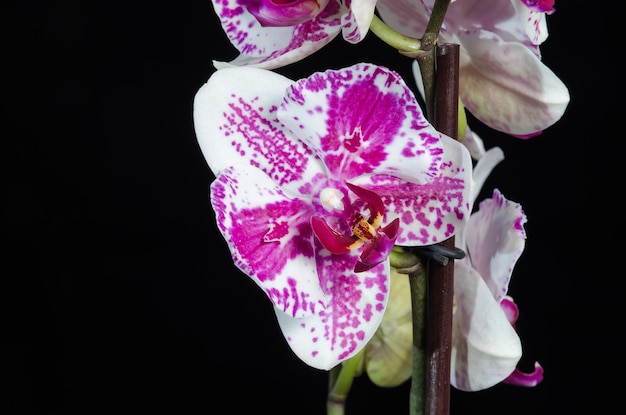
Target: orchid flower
(502, 80)
(316, 180)
(270, 34)
(485, 346)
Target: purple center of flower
(377, 241)
(277, 13)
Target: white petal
(474, 143)
(485, 347)
(495, 238)
(484, 167)
(507, 87)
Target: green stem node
(340, 382)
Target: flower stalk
(426, 57)
(406, 262)
(418, 392)
(441, 277)
(404, 44)
(339, 384)
(432, 289)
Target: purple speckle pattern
(429, 213)
(262, 142)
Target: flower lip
(378, 241)
(280, 13)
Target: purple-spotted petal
(235, 121)
(269, 237)
(363, 120)
(347, 318)
(273, 47)
(532, 14)
(356, 22)
(485, 347)
(495, 239)
(432, 212)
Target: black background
(118, 292)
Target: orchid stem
(441, 277)
(340, 381)
(439, 70)
(417, 397)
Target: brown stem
(441, 277)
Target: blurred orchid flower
(315, 182)
(502, 80)
(486, 347)
(270, 34)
